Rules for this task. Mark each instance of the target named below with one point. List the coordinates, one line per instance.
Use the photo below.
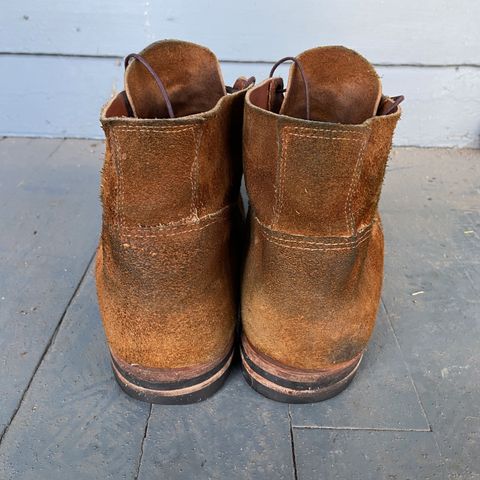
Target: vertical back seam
(349, 217)
(119, 183)
(279, 190)
(195, 171)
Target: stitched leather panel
(157, 174)
(318, 172)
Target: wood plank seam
(366, 429)
(390, 324)
(47, 347)
(229, 61)
(145, 433)
(292, 442)
(387, 315)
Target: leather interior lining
(191, 75)
(119, 107)
(268, 95)
(342, 87)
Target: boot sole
(291, 385)
(171, 386)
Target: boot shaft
(312, 177)
(167, 171)
(167, 266)
(164, 172)
(314, 161)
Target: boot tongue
(343, 87)
(190, 73)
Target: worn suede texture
(314, 267)
(190, 73)
(168, 262)
(341, 79)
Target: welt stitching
(356, 175)
(281, 235)
(118, 168)
(146, 128)
(161, 226)
(181, 232)
(346, 248)
(327, 138)
(183, 222)
(374, 204)
(326, 244)
(154, 253)
(211, 218)
(347, 242)
(281, 176)
(277, 184)
(314, 130)
(195, 172)
(113, 171)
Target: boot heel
(171, 386)
(291, 385)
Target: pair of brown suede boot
(177, 262)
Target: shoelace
(304, 78)
(384, 109)
(389, 107)
(240, 84)
(159, 83)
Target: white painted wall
(60, 59)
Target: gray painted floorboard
(236, 434)
(362, 455)
(49, 217)
(431, 218)
(382, 394)
(412, 411)
(75, 422)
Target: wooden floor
(413, 411)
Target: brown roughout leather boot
(314, 161)
(167, 264)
